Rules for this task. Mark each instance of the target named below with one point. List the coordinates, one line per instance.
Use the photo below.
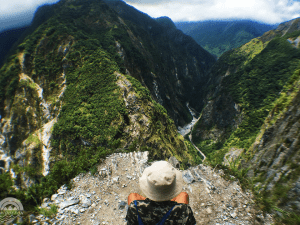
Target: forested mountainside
(251, 118)
(218, 37)
(177, 62)
(93, 78)
(72, 92)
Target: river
(189, 127)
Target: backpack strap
(139, 218)
(162, 221)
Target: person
(164, 203)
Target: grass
(33, 138)
(288, 218)
(48, 212)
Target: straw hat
(161, 181)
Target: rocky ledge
(102, 198)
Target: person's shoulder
(154, 204)
(182, 206)
(140, 203)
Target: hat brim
(159, 197)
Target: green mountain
(218, 37)
(88, 79)
(251, 119)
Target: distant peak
(166, 22)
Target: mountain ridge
(101, 78)
(219, 36)
(253, 91)
(72, 93)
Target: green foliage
(239, 172)
(264, 85)
(207, 146)
(93, 112)
(292, 35)
(48, 212)
(288, 218)
(5, 184)
(193, 156)
(93, 170)
(286, 96)
(166, 22)
(8, 214)
(33, 138)
(9, 80)
(93, 116)
(256, 86)
(61, 173)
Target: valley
(95, 91)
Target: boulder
(122, 205)
(66, 204)
(232, 155)
(174, 162)
(85, 202)
(188, 177)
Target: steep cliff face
(275, 160)
(68, 97)
(171, 65)
(245, 81)
(251, 114)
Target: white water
(188, 127)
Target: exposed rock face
(218, 115)
(174, 162)
(282, 29)
(138, 113)
(232, 156)
(102, 198)
(30, 117)
(276, 158)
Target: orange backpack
(183, 197)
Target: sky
(14, 13)
(266, 11)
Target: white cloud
(15, 13)
(268, 11)
(19, 12)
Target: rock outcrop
(101, 198)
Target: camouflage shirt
(152, 212)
